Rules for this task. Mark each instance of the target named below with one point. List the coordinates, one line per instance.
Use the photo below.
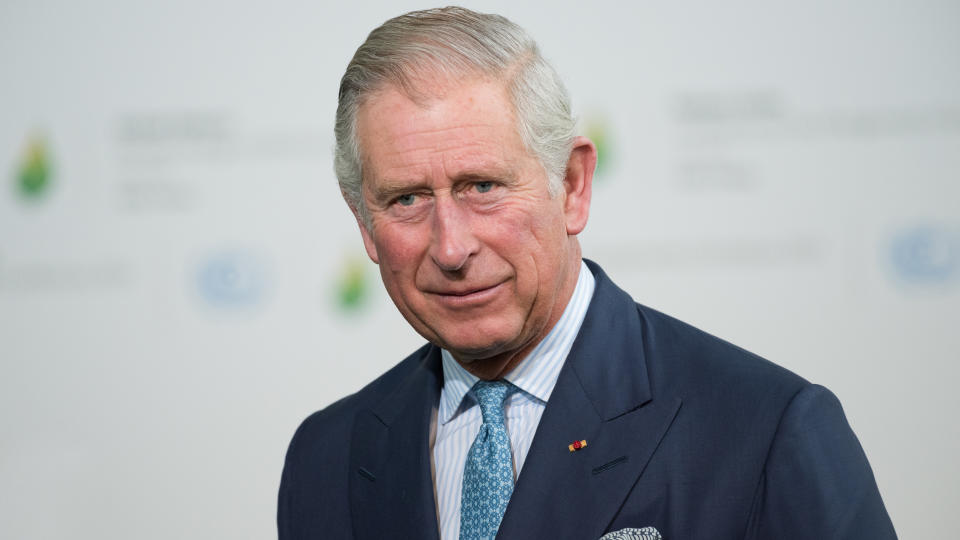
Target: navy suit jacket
(685, 433)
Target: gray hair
(446, 44)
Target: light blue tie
(488, 474)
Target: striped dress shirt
(457, 419)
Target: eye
(483, 187)
(406, 200)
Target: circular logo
(232, 280)
(925, 254)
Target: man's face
(472, 248)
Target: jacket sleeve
(816, 481)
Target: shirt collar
(536, 375)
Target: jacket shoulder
(315, 476)
(681, 355)
(337, 418)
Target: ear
(368, 243)
(578, 184)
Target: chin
(468, 352)
(476, 346)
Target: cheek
(399, 246)
(399, 259)
(510, 234)
(533, 243)
(531, 233)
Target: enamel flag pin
(576, 445)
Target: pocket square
(646, 533)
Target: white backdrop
(181, 283)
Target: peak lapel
(602, 396)
(391, 489)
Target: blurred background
(181, 282)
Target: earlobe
(578, 184)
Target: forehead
(454, 126)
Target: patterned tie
(488, 474)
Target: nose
(453, 241)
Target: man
(547, 403)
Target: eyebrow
(389, 189)
(494, 174)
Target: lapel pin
(577, 445)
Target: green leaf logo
(33, 177)
(352, 285)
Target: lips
(464, 292)
(461, 297)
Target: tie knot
(490, 396)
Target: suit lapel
(603, 396)
(391, 489)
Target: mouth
(468, 297)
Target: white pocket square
(646, 533)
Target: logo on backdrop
(232, 280)
(926, 255)
(33, 173)
(353, 284)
